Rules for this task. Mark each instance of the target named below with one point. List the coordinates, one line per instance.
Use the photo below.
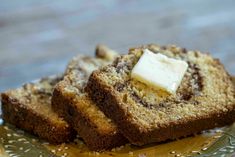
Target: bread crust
(25, 118)
(111, 103)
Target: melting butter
(159, 71)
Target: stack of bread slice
(97, 99)
(41, 107)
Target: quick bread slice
(204, 100)
(72, 102)
(29, 108)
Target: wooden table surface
(37, 38)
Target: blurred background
(37, 38)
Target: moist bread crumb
(204, 100)
(29, 108)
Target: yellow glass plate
(216, 142)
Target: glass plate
(217, 142)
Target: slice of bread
(29, 108)
(72, 102)
(204, 100)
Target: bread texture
(73, 103)
(29, 108)
(204, 100)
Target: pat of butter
(159, 71)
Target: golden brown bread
(29, 108)
(72, 102)
(204, 100)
